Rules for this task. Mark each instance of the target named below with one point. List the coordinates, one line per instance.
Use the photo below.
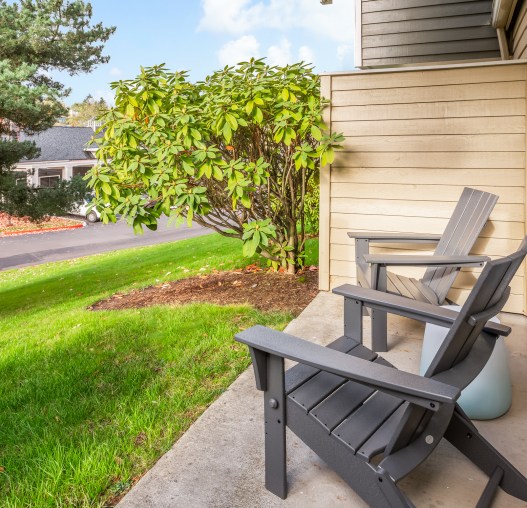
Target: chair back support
(486, 299)
(463, 228)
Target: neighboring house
(439, 103)
(64, 153)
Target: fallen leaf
(140, 439)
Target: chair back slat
(490, 290)
(462, 231)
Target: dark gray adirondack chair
(351, 406)
(451, 254)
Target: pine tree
(37, 37)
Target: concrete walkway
(219, 462)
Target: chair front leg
(379, 319)
(275, 423)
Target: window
(49, 177)
(80, 170)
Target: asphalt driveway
(26, 250)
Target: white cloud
(306, 54)
(345, 55)
(334, 21)
(233, 16)
(281, 54)
(239, 50)
(107, 95)
(115, 71)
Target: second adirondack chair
(451, 254)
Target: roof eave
(502, 11)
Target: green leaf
(217, 173)
(250, 246)
(246, 201)
(316, 132)
(285, 94)
(188, 168)
(227, 132)
(232, 121)
(246, 249)
(138, 228)
(106, 188)
(279, 134)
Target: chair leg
(379, 331)
(379, 319)
(393, 494)
(466, 438)
(275, 423)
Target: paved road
(19, 251)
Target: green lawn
(90, 400)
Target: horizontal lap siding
(518, 35)
(409, 31)
(406, 159)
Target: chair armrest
(396, 382)
(413, 309)
(424, 260)
(394, 237)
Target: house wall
(69, 168)
(409, 31)
(518, 34)
(414, 139)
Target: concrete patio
(219, 462)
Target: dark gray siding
(411, 31)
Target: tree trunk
(292, 255)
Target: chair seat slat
(359, 426)
(316, 389)
(340, 404)
(347, 398)
(321, 385)
(380, 439)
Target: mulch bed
(266, 291)
(10, 225)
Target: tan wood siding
(410, 31)
(518, 34)
(407, 158)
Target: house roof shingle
(61, 143)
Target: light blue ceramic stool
(490, 394)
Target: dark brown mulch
(267, 291)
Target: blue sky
(204, 35)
